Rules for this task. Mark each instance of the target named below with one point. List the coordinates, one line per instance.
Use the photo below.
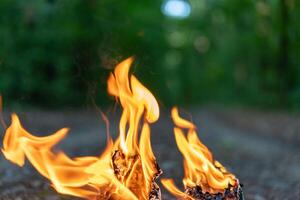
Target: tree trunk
(283, 65)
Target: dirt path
(266, 164)
(268, 167)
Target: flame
(125, 170)
(199, 166)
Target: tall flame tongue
(201, 170)
(126, 170)
(134, 164)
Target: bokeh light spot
(176, 8)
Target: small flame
(199, 166)
(125, 170)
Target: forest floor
(261, 148)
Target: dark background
(58, 53)
(232, 66)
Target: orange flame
(125, 170)
(199, 166)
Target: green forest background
(57, 53)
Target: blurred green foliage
(59, 52)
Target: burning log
(134, 174)
(205, 178)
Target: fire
(126, 169)
(200, 169)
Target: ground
(261, 148)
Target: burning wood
(230, 193)
(134, 168)
(205, 178)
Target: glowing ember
(201, 170)
(125, 170)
